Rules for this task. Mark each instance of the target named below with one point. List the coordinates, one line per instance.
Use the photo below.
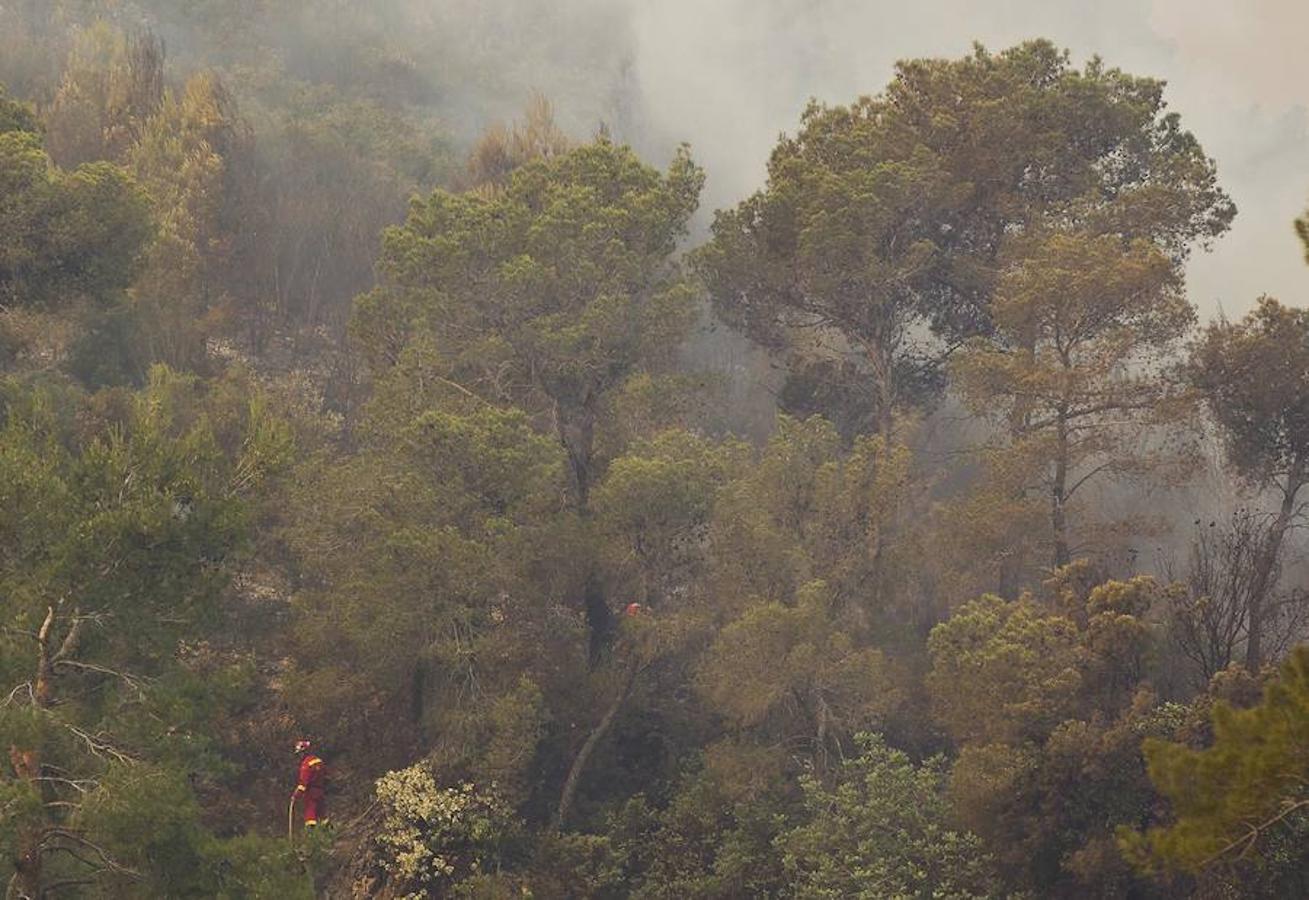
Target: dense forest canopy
(325, 417)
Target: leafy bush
(434, 837)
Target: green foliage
(511, 448)
(252, 866)
(549, 293)
(883, 829)
(1227, 797)
(1009, 671)
(573, 864)
(808, 509)
(775, 657)
(112, 84)
(127, 510)
(653, 509)
(66, 235)
(16, 116)
(135, 520)
(139, 834)
(1050, 710)
(568, 246)
(897, 210)
(799, 581)
(443, 509)
(433, 837)
(1049, 813)
(714, 836)
(1252, 373)
(186, 158)
(1072, 314)
(1002, 671)
(149, 821)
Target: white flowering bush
(432, 837)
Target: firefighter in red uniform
(309, 788)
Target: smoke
(729, 75)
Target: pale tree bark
(27, 762)
(1059, 495)
(587, 750)
(38, 841)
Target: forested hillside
(331, 409)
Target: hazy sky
(728, 75)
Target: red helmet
(633, 609)
(302, 746)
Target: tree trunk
(881, 362)
(824, 717)
(576, 428)
(588, 749)
(1263, 581)
(1059, 495)
(43, 682)
(26, 881)
(599, 620)
(1010, 570)
(27, 764)
(882, 365)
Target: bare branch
(131, 680)
(12, 694)
(21, 632)
(65, 834)
(1087, 477)
(1247, 841)
(98, 746)
(43, 634)
(79, 784)
(72, 882)
(69, 646)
